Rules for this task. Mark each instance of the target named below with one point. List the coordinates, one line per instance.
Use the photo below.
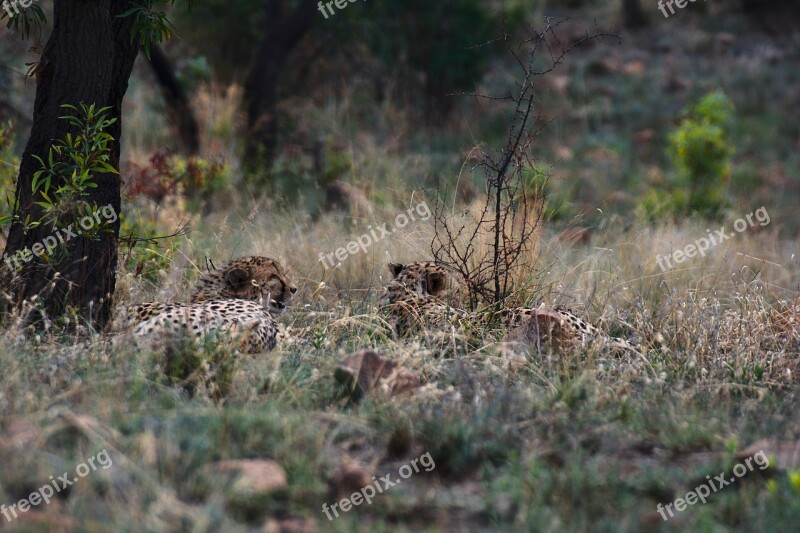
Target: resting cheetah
(423, 293)
(239, 299)
(425, 278)
(424, 289)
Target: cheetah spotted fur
(239, 300)
(425, 292)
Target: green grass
(580, 441)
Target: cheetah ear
(237, 278)
(396, 268)
(436, 282)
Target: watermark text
(375, 234)
(380, 485)
(704, 244)
(45, 492)
(702, 491)
(62, 235)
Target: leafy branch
(72, 164)
(151, 25)
(24, 18)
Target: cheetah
(559, 328)
(240, 299)
(424, 292)
(425, 278)
(409, 311)
(426, 289)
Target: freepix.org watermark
(47, 491)
(340, 4)
(62, 235)
(662, 5)
(367, 493)
(704, 244)
(8, 5)
(375, 234)
(702, 492)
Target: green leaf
(106, 168)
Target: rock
(366, 371)
(20, 433)
(544, 328)
(782, 455)
(253, 476)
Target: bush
(700, 150)
(202, 181)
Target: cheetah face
(266, 285)
(258, 279)
(415, 279)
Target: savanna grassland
(578, 440)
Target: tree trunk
(179, 110)
(282, 34)
(87, 59)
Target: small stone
(254, 476)
(542, 329)
(366, 370)
(785, 455)
(19, 434)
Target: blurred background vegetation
(376, 96)
(268, 106)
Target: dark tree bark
(632, 14)
(179, 111)
(282, 34)
(87, 59)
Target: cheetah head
(417, 279)
(255, 278)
